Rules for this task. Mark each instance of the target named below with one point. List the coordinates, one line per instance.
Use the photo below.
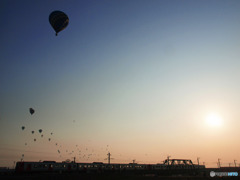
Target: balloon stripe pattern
(58, 20)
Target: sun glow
(214, 120)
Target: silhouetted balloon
(34, 139)
(32, 132)
(49, 139)
(58, 20)
(42, 135)
(23, 127)
(31, 110)
(40, 130)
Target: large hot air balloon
(59, 21)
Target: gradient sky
(137, 78)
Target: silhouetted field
(51, 176)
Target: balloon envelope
(31, 110)
(58, 20)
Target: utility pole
(74, 159)
(198, 161)
(109, 155)
(168, 159)
(235, 162)
(219, 165)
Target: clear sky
(142, 79)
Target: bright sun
(214, 120)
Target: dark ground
(72, 176)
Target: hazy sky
(137, 78)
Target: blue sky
(139, 76)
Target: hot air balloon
(31, 110)
(49, 139)
(58, 20)
(32, 132)
(40, 130)
(23, 127)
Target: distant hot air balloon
(31, 110)
(42, 135)
(35, 139)
(23, 127)
(32, 132)
(49, 139)
(40, 130)
(58, 20)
